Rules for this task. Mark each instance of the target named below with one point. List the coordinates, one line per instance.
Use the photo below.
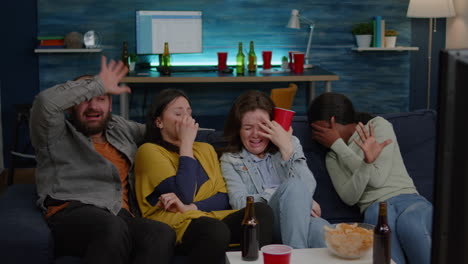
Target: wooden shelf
(67, 50)
(386, 49)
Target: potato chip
(349, 240)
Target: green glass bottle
(166, 60)
(252, 66)
(240, 60)
(124, 56)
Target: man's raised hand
(111, 74)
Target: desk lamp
(431, 9)
(294, 22)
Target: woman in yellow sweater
(179, 182)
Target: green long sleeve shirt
(358, 182)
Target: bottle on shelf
(382, 237)
(249, 236)
(240, 61)
(252, 66)
(166, 60)
(125, 56)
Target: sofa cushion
(416, 135)
(25, 237)
(333, 208)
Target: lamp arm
(307, 55)
(306, 20)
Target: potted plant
(363, 33)
(390, 38)
(132, 60)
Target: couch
(25, 237)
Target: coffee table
(304, 256)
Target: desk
(310, 76)
(305, 256)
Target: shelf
(66, 50)
(385, 49)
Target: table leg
(124, 111)
(311, 92)
(328, 86)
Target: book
(378, 29)
(382, 35)
(52, 42)
(49, 37)
(374, 30)
(51, 47)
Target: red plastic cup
(299, 62)
(222, 60)
(283, 117)
(276, 254)
(266, 55)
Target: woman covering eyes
(267, 162)
(179, 182)
(366, 167)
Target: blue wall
(19, 72)
(376, 81)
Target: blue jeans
(410, 220)
(293, 225)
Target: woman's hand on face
(278, 136)
(187, 130)
(316, 210)
(170, 202)
(324, 135)
(369, 144)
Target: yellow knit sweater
(154, 164)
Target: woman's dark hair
(338, 105)
(159, 104)
(246, 102)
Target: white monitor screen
(181, 29)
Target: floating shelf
(67, 50)
(385, 49)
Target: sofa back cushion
(416, 137)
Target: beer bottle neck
(382, 213)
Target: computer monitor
(450, 236)
(181, 29)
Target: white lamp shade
(430, 8)
(294, 19)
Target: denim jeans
(293, 225)
(410, 220)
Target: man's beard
(87, 129)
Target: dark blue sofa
(25, 237)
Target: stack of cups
(296, 61)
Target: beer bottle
(166, 60)
(382, 237)
(249, 239)
(240, 58)
(124, 56)
(252, 66)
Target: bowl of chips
(349, 241)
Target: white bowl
(349, 240)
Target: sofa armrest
(25, 236)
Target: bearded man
(85, 176)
